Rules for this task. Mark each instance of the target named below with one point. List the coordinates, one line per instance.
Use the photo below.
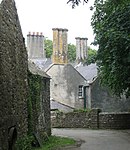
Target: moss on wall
(39, 121)
(37, 106)
(34, 96)
(13, 77)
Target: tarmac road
(96, 139)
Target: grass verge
(55, 142)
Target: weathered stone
(60, 46)
(114, 120)
(13, 74)
(40, 101)
(101, 97)
(93, 119)
(35, 46)
(76, 119)
(81, 49)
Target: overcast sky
(43, 15)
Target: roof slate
(88, 72)
(36, 70)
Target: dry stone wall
(93, 119)
(114, 120)
(76, 119)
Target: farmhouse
(75, 86)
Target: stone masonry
(60, 46)
(35, 45)
(41, 121)
(13, 77)
(120, 120)
(94, 119)
(81, 49)
(76, 119)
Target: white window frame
(80, 91)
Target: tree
(71, 52)
(76, 2)
(48, 48)
(111, 25)
(92, 54)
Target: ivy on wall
(36, 91)
(33, 106)
(34, 96)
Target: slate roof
(57, 105)
(42, 63)
(36, 70)
(88, 72)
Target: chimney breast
(60, 46)
(81, 49)
(35, 46)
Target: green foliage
(33, 103)
(25, 143)
(71, 52)
(82, 110)
(56, 142)
(92, 55)
(111, 25)
(76, 2)
(48, 48)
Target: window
(80, 93)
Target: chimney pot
(29, 33)
(77, 38)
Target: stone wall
(39, 101)
(13, 76)
(114, 120)
(46, 105)
(93, 119)
(75, 119)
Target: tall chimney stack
(35, 45)
(81, 49)
(60, 46)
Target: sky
(43, 15)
